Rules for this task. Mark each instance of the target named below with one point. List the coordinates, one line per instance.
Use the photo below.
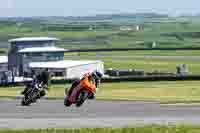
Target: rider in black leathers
(43, 78)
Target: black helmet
(97, 75)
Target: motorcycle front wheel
(83, 95)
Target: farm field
(109, 35)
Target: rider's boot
(42, 94)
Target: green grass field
(151, 65)
(113, 37)
(141, 53)
(112, 60)
(148, 129)
(164, 92)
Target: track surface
(53, 114)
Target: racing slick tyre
(25, 102)
(67, 103)
(83, 95)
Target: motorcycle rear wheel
(32, 98)
(67, 103)
(25, 102)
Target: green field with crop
(147, 129)
(164, 34)
(110, 37)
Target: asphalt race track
(53, 114)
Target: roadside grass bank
(162, 92)
(143, 64)
(140, 53)
(147, 129)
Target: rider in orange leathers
(90, 82)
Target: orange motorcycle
(79, 92)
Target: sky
(28, 8)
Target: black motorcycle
(32, 94)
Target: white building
(3, 63)
(4, 69)
(39, 53)
(69, 69)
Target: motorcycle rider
(89, 80)
(44, 78)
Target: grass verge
(145, 64)
(163, 92)
(149, 129)
(142, 53)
